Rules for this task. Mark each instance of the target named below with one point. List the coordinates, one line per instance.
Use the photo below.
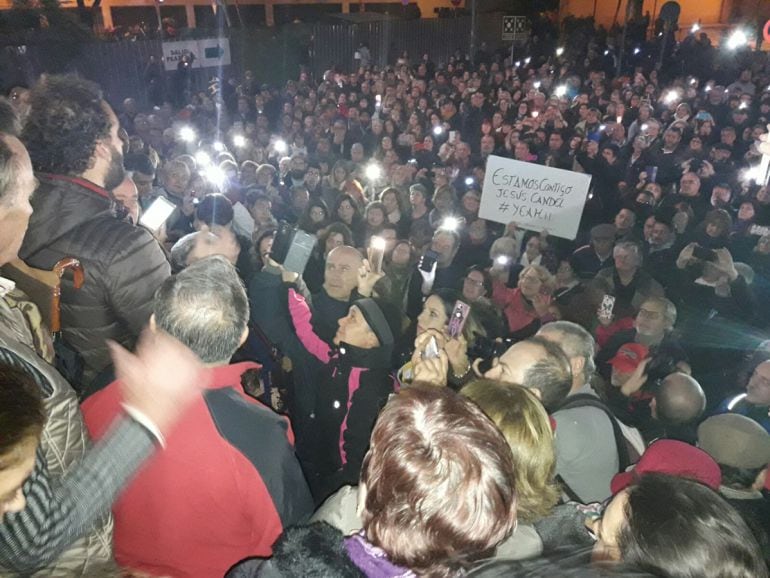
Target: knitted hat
(383, 319)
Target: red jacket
(222, 490)
(511, 301)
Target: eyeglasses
(471, 281)
(650, 314)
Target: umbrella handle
(66, 264)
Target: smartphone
(652, 173)
(282, 242)
(301, 248)
(459, 316)
(452, 136)
(703, 253)
(158, 213)
(376, 252)
(428, 260)
(607, 306)
(431, 350)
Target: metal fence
(273, 54)
(336, 44)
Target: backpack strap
(588, 400)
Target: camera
(487, 349)
(661, 365)
(482, 347)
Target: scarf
(371, 560)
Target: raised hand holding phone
(367, 278)
(157, 214)
(376, 253)
(605, 312)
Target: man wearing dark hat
(353, 385)
(588, 260)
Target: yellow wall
(427, 7)
(705, 11)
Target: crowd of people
(426, 392)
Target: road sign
(515, 27)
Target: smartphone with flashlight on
(157, 214)
(376, 253)
(428, 260)
(458, 318)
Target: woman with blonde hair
(525, 425)
(528, 306)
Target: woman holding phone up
(435, 333)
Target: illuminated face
(625, 261)
(444, 244)
(317, 214)
(390, 201)
(624, 219)
(473, 286)
(433, 315)
(746, 212)
(758, 389)
(565, 273)
(512, 366)
(333, 241)
(530, 283)
(651, 320)
(375, 217)
(354, 330)
(689, 185)
(661, 234)
(341, 273)
(346, 212)
(471, 203)
(607, 529)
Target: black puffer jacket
(123, 263)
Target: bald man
(675, 409)
(333, 301)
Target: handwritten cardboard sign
(533, 196)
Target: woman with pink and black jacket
(353, 386)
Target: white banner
(533, 196)
(209, 52)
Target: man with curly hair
(71, 134)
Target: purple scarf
(371, 560)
